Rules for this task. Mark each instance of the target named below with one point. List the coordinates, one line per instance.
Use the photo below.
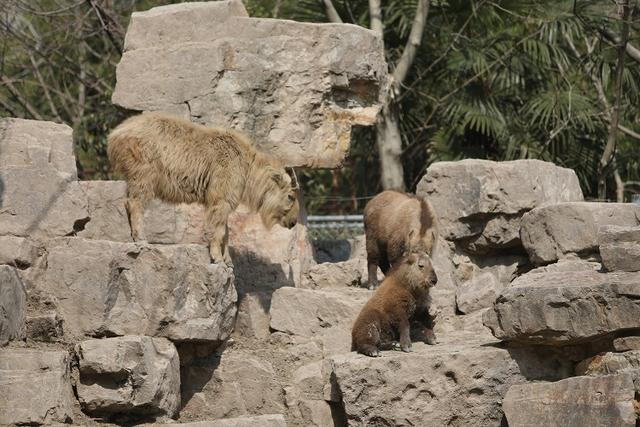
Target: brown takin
(385, 318)
(165, 157)
(393, 223)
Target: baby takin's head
(416, 270)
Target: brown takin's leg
(366, 341)
(216, 231)
(138, 196)
(422, 326)
(405, 338)
(373, 255)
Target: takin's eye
(292, 198)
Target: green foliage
(500, 79)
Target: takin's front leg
(405, 334)
(216, 231)
(137, 200)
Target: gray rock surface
(273, 420)
(106, 288)
(296, 88)
(12, 305)
(620, 247)
(336, 274)
(558, 231)
(128, 375)
(627, 343)
(39, 144)
(325, 315)
(573, 402)
(480, 202)
(230, 385)
(18, 252)
(35, 387)
(445, 384)
(565, 307)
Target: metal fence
(334, 227)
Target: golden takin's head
(418, 271)
(280, 203)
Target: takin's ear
(276, 175)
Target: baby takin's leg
(405, 338)
(367, 342)
(216, 232)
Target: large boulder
(480, 202)
(322, 315)
(12, 305)
(130, 375)
(565, 308)
(296, 88)
(232, 384)
(451, 384)
(620, 247)
(573, 402)
(18, 252)
(103, 288)
(39, 194)
(35, 387)
(550, 233)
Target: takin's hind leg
(216, 230)
(138, 197)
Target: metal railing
(334, 227)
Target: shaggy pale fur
(181, 162)
(396, 223)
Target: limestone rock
(627, 343)
(295, 88)
(580, 401)
(336, 274)
(558, 231)
(39, 144)
(107, 288)
(252, 320)
(267, 259)
(480, 202)
(451, 384)
(620, 247)
(18, 252)
(40, 196)
(45, 326)
(35, 387)
(129, 375)
(478, 293)
(38, 202)
(610, 363)
(12, 305)
(326, 315)
(273, 420)
(565, 307)
(230, 385)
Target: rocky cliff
(537, 299)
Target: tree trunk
(389, 141)
(604, 166)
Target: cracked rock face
(129, 375)
(563, 308)
(102, 288)
(35, 387)
(581, 401)
(295, 88)
(39, 194)
(620, 247)
(550, 233)
(480, 202)
(12, 305)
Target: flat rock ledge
(565, 308)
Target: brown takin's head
(280, 202)
(417, 271)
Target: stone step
(444, 384)
(102, 288)
(554, 232)
(566, 308)
(620, 247)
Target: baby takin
(165, 157)
(386, 317)
(393, 222)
